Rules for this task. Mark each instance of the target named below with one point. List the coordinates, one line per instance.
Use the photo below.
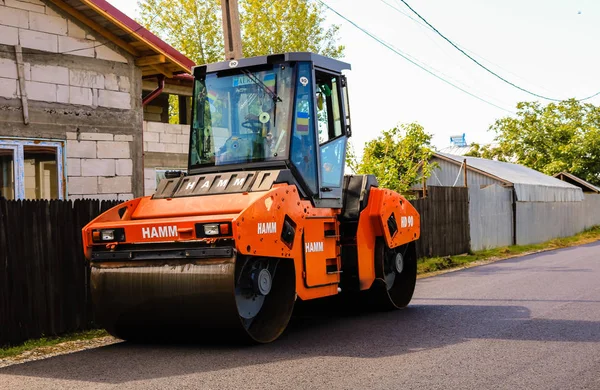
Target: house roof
(584, 185)
(153, 55)
(456, 150)
(529, 184)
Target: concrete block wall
(166, 138)
(59, 84)
(34, 24)
(81, 89)
(38, 26)
(157, 110)
(165, 146)
(149, 181)
(99, 166)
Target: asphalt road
(526, 323)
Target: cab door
(332, 130)
(321, 236)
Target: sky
(549, 47)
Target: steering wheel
(252, 124)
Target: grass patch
(426, 265)
(49, 342)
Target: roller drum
(198, 300)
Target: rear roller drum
(396, 276)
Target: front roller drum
(396, 276)
(237, 299)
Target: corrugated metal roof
(457, 150)
(578, 182)
(530, 185)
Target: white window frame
(17, 172)
(17, 145)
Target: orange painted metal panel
(373, 223)
(257, 221)
(195, 205)
(317, 250)
(257, 231)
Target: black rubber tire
(399, 295)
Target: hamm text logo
(161, 231)
(314, 246)
(267, 228)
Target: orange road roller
(263, 217)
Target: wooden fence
(444, 221)
(44, 278)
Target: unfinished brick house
(84, 102)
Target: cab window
(303, 150)
(328, 107)
(330, 122)
(332, 163)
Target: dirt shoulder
(23, 353)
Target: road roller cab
(263, 217)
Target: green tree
(279, 26)
(557, 137)
(194, 27)
(485, 151)
(191, 26)
(398, 157)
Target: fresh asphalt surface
(526, 323)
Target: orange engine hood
(205, 205)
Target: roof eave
(471, 168)
(576, 179)
(124, 22)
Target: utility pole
(231, 29)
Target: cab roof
(319, 61)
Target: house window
(7, 172)
(31, 169)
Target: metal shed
(529, 184)
(576, 181)
(513, 204)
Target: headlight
(211, 229)
(107, 235)
(219, 229)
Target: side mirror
(174, 174)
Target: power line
(405, 56)
(483, 66)
(439, 72)
(421, 24)
(404, 13)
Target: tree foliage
(557, 137)
(398, 157)
(194, 27)
(286, 25)
(191, 26)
